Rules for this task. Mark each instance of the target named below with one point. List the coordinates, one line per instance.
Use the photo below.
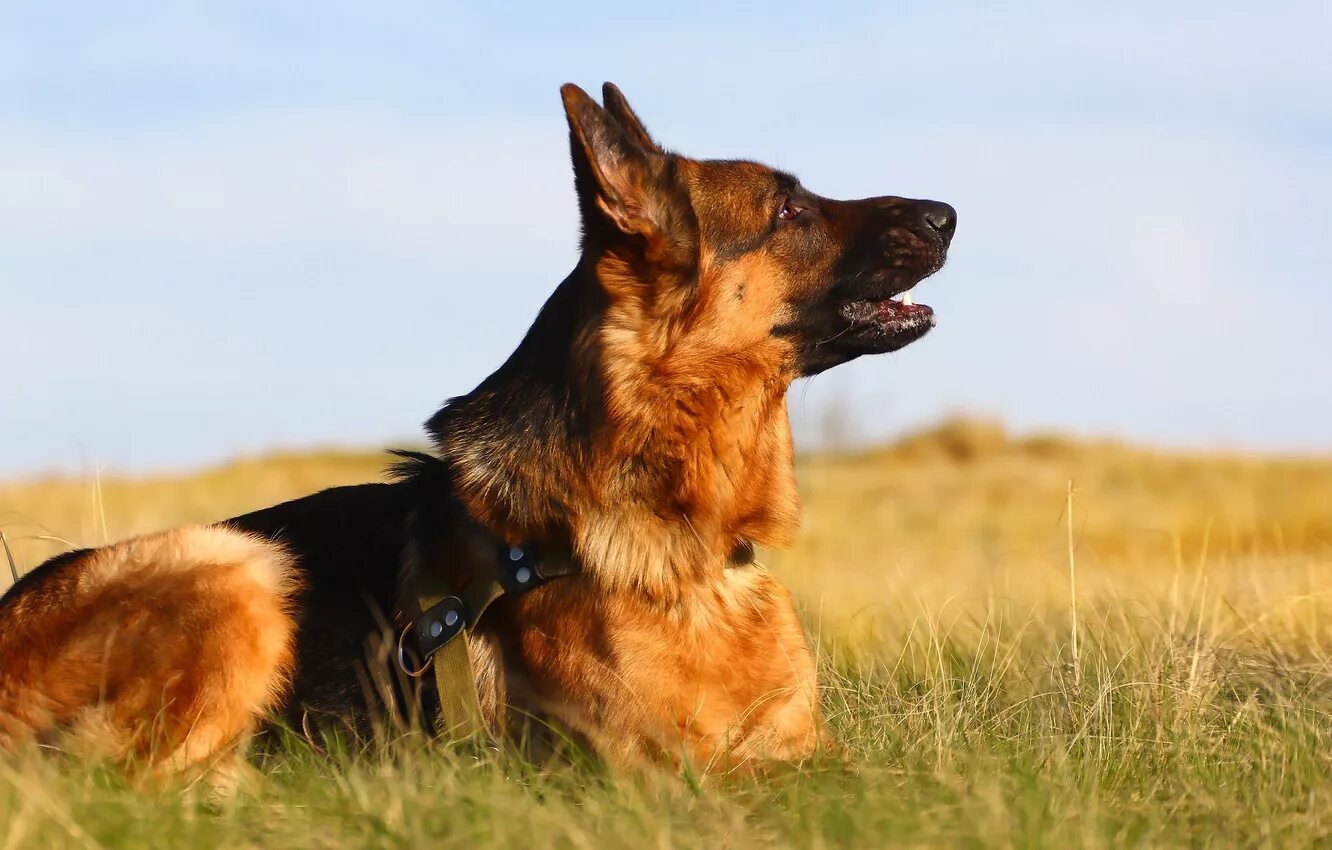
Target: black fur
(354, 548)
(349, 543)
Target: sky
(231, 227)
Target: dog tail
(166, 647)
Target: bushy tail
(169, 646)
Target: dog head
(734, 260)
(642, 420)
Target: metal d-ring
(402, 656)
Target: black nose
(939, 217)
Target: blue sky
(232, 227)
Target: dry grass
(964, 514)
(936, 573)
(47, 516)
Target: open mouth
(891, 318)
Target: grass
(935, 574)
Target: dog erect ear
(616, 104)
(612, 171)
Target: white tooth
(906, 299)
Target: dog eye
(788, 210)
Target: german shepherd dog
(640, 426)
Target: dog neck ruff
(442, 629)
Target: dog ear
(612, 172)
(616, 104)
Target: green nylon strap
(459, 708)
(460, 717)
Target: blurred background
(228, 227)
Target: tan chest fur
(724, 677)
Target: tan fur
(725, 679)
(165, 649)
(660, 650)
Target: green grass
(987, 739)
(1197, 710)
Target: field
(1153, 673)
